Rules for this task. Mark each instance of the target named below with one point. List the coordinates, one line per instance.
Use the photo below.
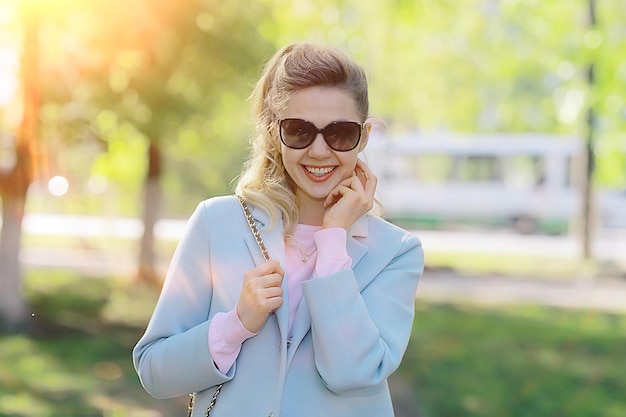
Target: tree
(181, 61)
(14, 182)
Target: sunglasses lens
(296, 133)
(342, 136)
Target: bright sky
(9, 61)
(9, 66)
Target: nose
(319, 147)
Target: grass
(523, 361)
(461, 361)
(77, 360)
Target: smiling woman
(320, 317)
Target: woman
(317, 329)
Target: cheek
(349, 162)
(290, 160)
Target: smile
(319, 172)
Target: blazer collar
(356, 250)
(274, 241)
(359, 228)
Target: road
(596, 294)
(608, 245)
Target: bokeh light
(58, 186)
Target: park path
(606, 294)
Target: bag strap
(253, 228)
(266, 255)
(192, 400)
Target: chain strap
(253, 228)
(266, 255)
(192, 400)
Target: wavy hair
(264, 181)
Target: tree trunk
(148, 271)
(15, 182)
(587, 186)
(12, 305)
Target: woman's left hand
(351, 199)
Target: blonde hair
(264, 181)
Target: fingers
(351, 199)
(360, 173)
(267, 275)
(333, 196)
(352, 183)
(269, 267)
(367, 177)
(261, 294)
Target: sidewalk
(436, 285)
(597, 294)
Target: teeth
(318, 172)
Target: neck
(311, 212)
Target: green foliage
(180, 76)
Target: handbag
(263, 248)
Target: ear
(365, 135)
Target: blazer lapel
(301, 326)
(356, 250)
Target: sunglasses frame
(322, 131)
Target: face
(318, 169)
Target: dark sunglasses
(341, 136)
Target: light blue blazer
(349, 334)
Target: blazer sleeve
(172, 358)
(360, 334)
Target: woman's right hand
(261, 295)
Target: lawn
(462, 361)
(523, 361)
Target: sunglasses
(341, 136)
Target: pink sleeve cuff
(332, 255)
(226, 334)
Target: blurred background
(500, 141)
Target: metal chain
(212, 403)
(255, 230)
(266, 255)
(192, 400)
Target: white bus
(526, 181)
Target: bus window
(476, 168)
(523, 172)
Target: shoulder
(219, 205)
(215, 211)
(389, 247)
(379, 228)
(389, 240)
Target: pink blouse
(315, 252)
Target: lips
(319, 172)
